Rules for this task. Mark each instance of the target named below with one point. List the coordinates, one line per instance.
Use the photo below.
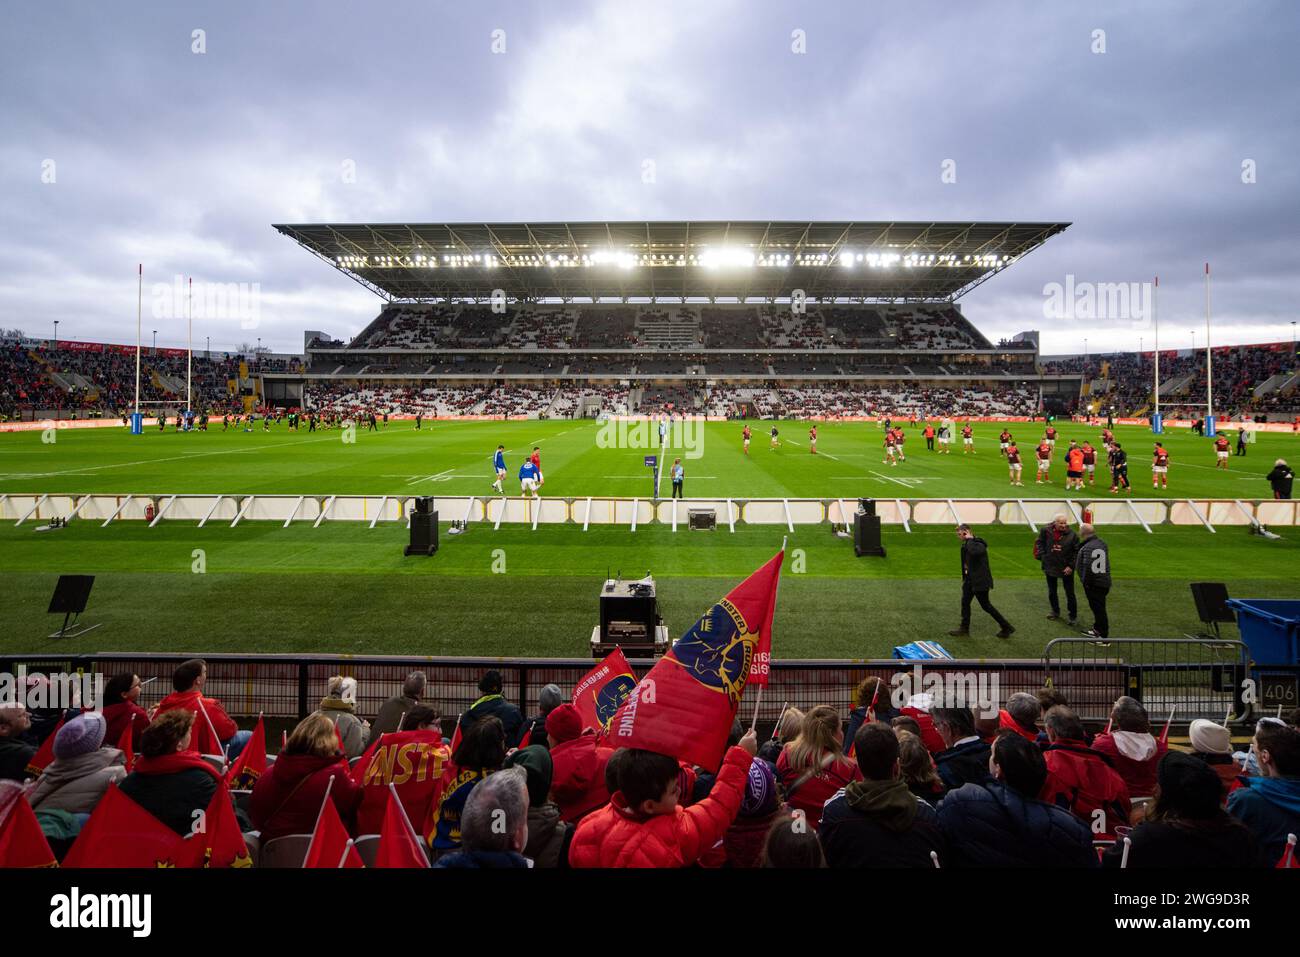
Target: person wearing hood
(1187, 825)
(878, 822)
(1212, 743)
(494, 704)
(1270, 804)
(579, 761)
(1001, 822)
(287, 799)
(548, 835)
(339, 705)
(1130, 746)
(759, 807)
(82, 768)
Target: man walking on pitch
(746, 434)
(976, 582)
(1094, 574)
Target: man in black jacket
(494, 703)
(1055, 550)
(1093, 562)
(15, 753)
(976, 582)
(878, 822)
(1281, 478)
(965, 759)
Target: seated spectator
(1001, 822)
(493, 825)
(412, 759)
(877, 821)
(918, 709)
(644, 825)
(812, 767)
(170, 780)
(481, 752)
(965, 758)
(550, 698)
(579, 761)
(1187, 825)
(548, 835)
(792, 845)
(15, 753)
(790, 726)
(759, 807)
(121, 693)
(1212, 743)
(909, 724)
(339, 706)
(1130, 746)
(1080, 779)
(82, 768)
(1021, 715)
(987, 727)
(1270, 804)
(1048, 698)
(916, 767)
(494, 704)
(213, 729)
(871, 689)
(287, 799)
(390, 713)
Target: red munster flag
(22, 844)
(45, 753)
(603, 690)
(220, 843)
(685, 706)
(126, 744)
(251, 763)
(411, 761)
(120, 833)
(455, 736)
(399, 846)
(330, 844)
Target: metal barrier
(1198, 678)
(1193, 678)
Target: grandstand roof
(868, 261)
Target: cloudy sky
(1139, 123)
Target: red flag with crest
(686, 705)
(22, 843)
(603, 689)
(120, 833)
(45, 753)
(251, 763)
(220, 843)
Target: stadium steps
(1282, 382)
(1178, 385)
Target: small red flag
(331, 846)
(251, 763)
(1288, 861)
(399, 845)
(120, 833)
(603, 689)
(22, 843)
(126, 744)
(220, 843)
(687, 703)
(45, 753)
(455, 736)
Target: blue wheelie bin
(1270, 628)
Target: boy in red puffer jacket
(644, 826)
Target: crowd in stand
(901, 783)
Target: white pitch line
(886, 478)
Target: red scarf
(1006, 721)
(174, 763)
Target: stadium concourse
(297, 759)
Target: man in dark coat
(390, 714)
(1001, 823)
(976, 582)
(1093, 562)
(15, 753)
(494, 703)
(878, 822)
(1055, 550)
(965, 757)
(1281, 478)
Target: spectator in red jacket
(121, 693)
(1021, 715)
(1079, 779)
(188, 680)
(287, 799)
(579, 761)
(812, 767)
(1132, 749)
(644, 825)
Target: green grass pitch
(346, 588)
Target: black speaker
(424, 529)
(424, 504)
(1212, 602)
(866, 535)
(867, 506)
